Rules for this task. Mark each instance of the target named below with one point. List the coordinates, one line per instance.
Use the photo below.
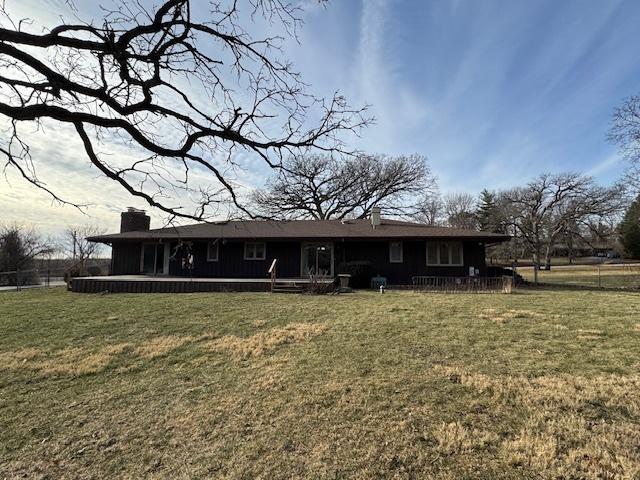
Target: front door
(317, 259)
(154, 259)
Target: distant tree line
(22, 247)
(567, 209)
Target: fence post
(17, 279)
(507, 284)
(599, 280)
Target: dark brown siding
(414, 259)
(231, 262)
(125, 258)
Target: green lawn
(538, 384)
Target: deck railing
(463, 284)
(272, 273)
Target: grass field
(538, 384)
(606, 276)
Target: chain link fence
(606, 276)
(23, 279)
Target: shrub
(72, 273)
(493, 271)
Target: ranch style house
(248, 250)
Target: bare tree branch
(323, 187)
(187, 95)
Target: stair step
(286, 290)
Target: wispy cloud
(610, 162)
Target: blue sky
(492, 92)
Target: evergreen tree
(630, 230)
(488, 212)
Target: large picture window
(395, 252)
(444, 254)
(254, 251)
(212, 251)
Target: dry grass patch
(559, 326)
(589, 334)
(263, 342)
(19, 357)
(160, 346)
(455, 438)
(573, 426)
(571, 446)
(81, 361)
(68, 361)
(501, 317)
(531, 449)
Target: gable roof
(303, 229)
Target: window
(212, 251)
(254, 251)
(444, 254)
(395, 252)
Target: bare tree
(19, 246)
(625, 133)
(430, 207)
(323, 187)
(507, 213)
(459, 210)
(552, 205)
(74, 243)
(185, 89)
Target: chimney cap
(135, 210)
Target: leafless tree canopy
(430, 207)
(324, 187)
(460, 210)
(625, 128)
(625, 133)
(551, 206)
(75, 245)
(185, 94)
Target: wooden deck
(167, 284)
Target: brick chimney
(375, 217)
(134, 220)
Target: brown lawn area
(538, 384)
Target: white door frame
(303, 273)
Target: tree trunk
(547, 258)
(570, 250)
